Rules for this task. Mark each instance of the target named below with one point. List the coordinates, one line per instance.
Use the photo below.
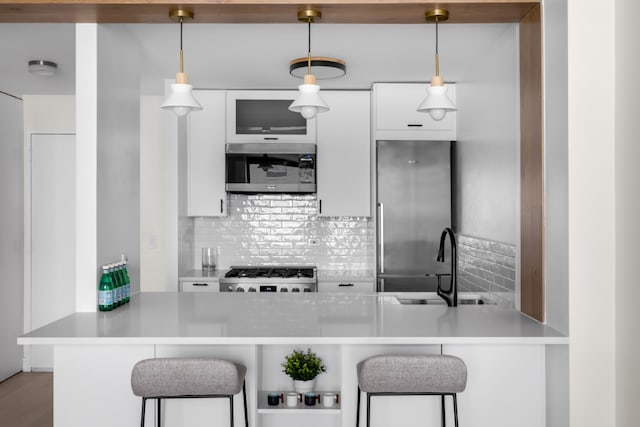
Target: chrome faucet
(450, 295)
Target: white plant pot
(303, 386)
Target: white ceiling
(256, 56)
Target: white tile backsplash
(285, 229)
(487, 266)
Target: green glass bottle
(117, 286)
(105, 291)
(127, 283)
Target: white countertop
(265, 318)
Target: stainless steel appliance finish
(414, 206)
(272, 167)
(291, 278)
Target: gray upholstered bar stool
(175, 378)
(396, 375)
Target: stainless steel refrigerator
(414, 206)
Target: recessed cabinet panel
(344, 161)
(347, 286)
(209, 285)
(264, 116)
(205, 171)
(396, 114)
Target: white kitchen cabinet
(396, 116)
(264, 116)
(205, 170)
(343, 162)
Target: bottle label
(105, 298)
(127, 290)
(117, 294)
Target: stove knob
(229, 288)
(284, 290)
(239, 289)
(307, 289)
(252, 289)
(295, 290)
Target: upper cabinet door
(397, 118)
(264, 116)
(344, 160)
(205, 170)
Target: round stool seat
(433, 373)
(172, 377)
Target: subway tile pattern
(487, 266)
(267, 229)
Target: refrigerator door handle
(381, 235)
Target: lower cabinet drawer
(363, 287)
(200, 286)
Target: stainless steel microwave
(270, 168)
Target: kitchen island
(94, 354)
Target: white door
(11, 252)
(53, 200)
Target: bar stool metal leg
(444, 416)
(159, 413)
(144, 401)
(230, 411)
(368, 410)
(358, 409)
(455, 408)
(244, 399)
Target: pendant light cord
(437, 56)
(181, 56)
(309, 47)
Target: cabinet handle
(414, 125)
(320, 206)
(200, 284)
(346, 285)
(221, 205)
(270, 138)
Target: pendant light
(181, 100)
(437, 103)
(309, 102)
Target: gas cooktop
(287, 272)
(290, 278)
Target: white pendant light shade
(181, 100)
(309, 102)
(437, 103)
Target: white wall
(11, 249)
(86, 165)
(118, 131)
(488, 138)
(627, 205)
(153, 239)
(593, 270)
(554, 16)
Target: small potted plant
(303, 368)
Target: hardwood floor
(26, 400)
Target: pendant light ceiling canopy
(437, 103)
(309, 102)
(181, 100)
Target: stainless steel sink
(440, 301)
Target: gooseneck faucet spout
(450, 295)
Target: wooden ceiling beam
(255, 11)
